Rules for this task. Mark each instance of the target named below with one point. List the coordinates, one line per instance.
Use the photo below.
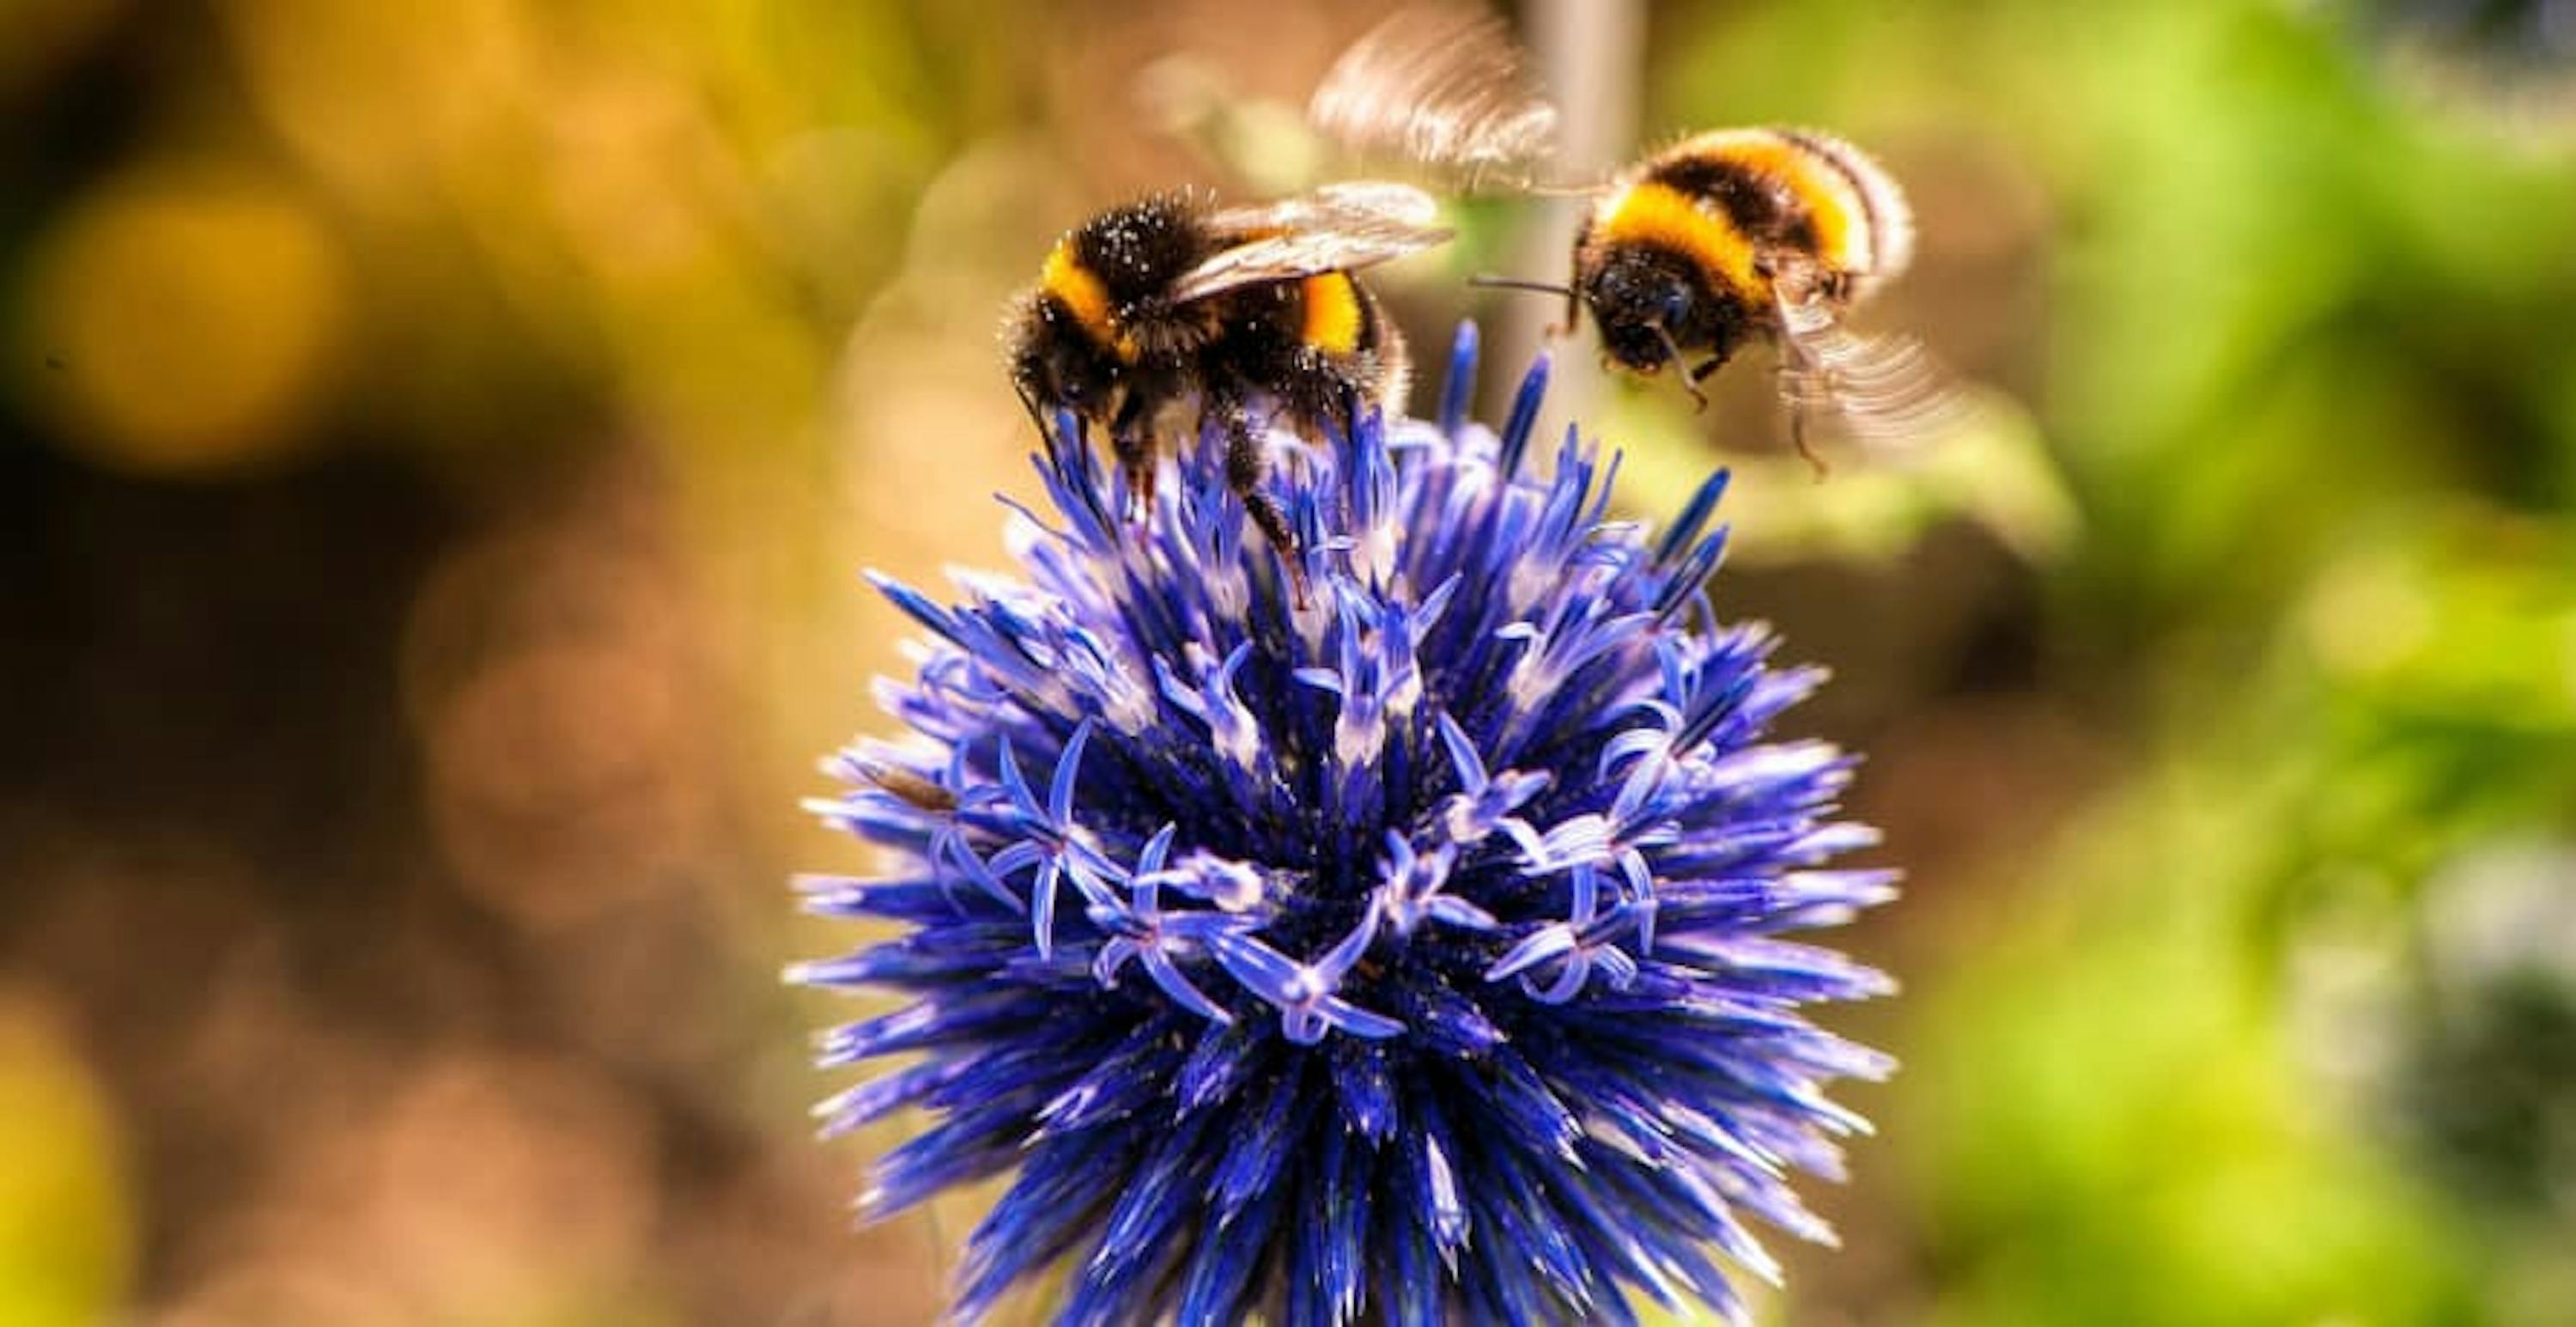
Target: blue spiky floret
(1409, 957)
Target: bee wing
(1441, 86)
(1885, 390)
(1338, 228)
(1381, 202)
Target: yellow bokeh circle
(185, 319)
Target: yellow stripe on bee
(1820, 184)
(1332, 313)
(1670, 219)
(1074, 286)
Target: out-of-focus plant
(2483, 1079)
(2307, 369)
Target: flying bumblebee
(1172, 304)
(1740, 233)
(1720, 239)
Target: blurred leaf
(1992, 470)
(2108, 1126)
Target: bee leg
(1355, 405)
(1797, 386)
(1135, 451)
(1804, 377)
(1798, 439)
(1690, 380)
(1029, 402)
(1244, 471)
(1132, 440)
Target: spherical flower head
(1413, 955)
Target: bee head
(1651, 305)
(1056, 363)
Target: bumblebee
(1743, 232)
(1685, 256)
(1173, 304)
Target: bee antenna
(1490, 282)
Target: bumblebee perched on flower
(1173, 302)
(1688, 254)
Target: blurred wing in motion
(1338, 228)
(1439, 86)
(1884, 391)
(1350, 205)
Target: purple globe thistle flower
(1411, 957)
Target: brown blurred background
(437, 450)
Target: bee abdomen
(1333, 319)
(1886, 219)
(1795, 190)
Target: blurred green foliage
(2310, 336)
